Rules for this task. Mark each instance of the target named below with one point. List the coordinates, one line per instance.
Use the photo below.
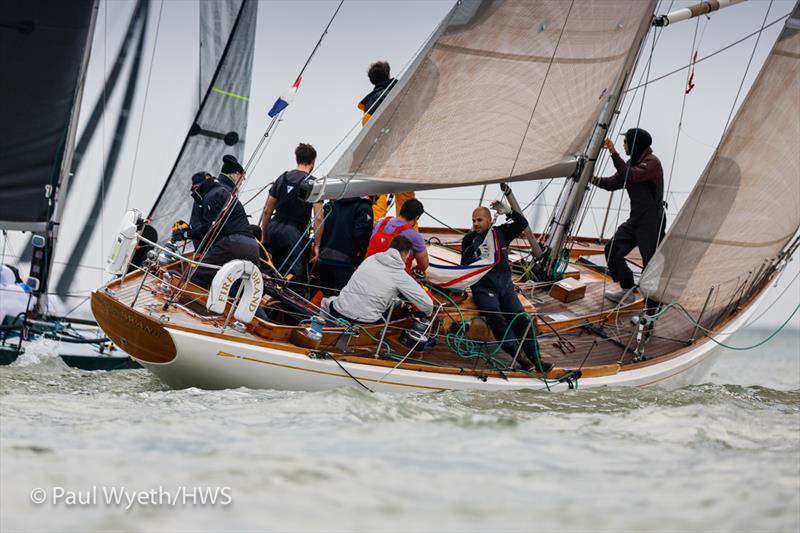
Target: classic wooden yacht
(549, 71)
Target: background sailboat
(227, 30)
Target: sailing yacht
(502, 92)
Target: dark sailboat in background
(35, 176)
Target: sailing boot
(524, 363)
(622, 296)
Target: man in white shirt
(379, 279)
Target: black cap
(230, 165)
(199, 178)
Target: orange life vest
(381, 240)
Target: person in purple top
(388, 227)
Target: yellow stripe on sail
(232, 95)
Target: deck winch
(416, 338)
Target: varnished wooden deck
(592, 334)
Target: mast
(56, 207)
(564, 215)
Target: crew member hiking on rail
(379, 74)
(231, 238)
(379, 280)
(387, 228)
(286, 220)
(494, 294)
(643, 178)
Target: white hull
(213, 363)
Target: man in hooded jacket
(643, 178)
(233, 236)
(202, 182)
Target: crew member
(373, 286)
(230, 234)
(202, 182)
(379, 74)
(346, 233)
(16, 297)
(643, 178)
(494, 294)
(286, 220)
(403, 224)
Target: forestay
(220, 124)
(746, 205)
(503, 91)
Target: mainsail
(220, 124)
(746, 206)
(503, 91)
(43, 49)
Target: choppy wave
(724, 455)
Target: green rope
(708, 333)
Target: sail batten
(745, 207)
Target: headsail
(746, 205)
(221, 121)
(503, 91)
(43, 47)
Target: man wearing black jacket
(494, 294)
(345, 237)
(232, 238)
(643, 178)
(202, 182)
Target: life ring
(125, 245)
(252, 292)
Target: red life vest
(381, 240)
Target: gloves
(180, 231)
(501, 207)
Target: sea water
(106, 451)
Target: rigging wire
(541, 90)
(208, 239)
(689, 73)
(144, 106)
(709, 56)
(702, 183)
(358, 123)
(297, 79)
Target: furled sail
(746, 205)
(503, 91)
(220, 124)
(43, 48)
